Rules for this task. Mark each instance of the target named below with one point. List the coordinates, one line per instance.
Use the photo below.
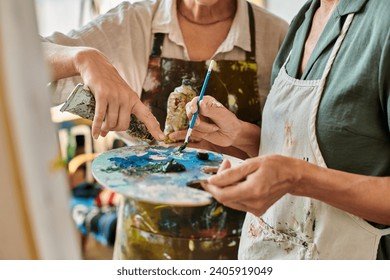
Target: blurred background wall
(63, 15)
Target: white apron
(300, 227)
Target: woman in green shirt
(320, 187)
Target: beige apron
(300, 227)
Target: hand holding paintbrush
(193, 119)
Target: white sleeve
(123, 34)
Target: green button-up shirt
(353, 123)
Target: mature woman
(320, 187)
(116, 56)
(146, 49)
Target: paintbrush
(194, 116)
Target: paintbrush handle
(202, 91)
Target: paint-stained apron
(301, 227)
(147, 231)
(233, 83)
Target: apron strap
(251, 56)
(287, 59)
(336, 48)
(157, 44)
(320, 90)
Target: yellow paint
(217, 211)
(57, 163)
(244, 66)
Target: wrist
(298, 176)
(310, 180)
(247, 138)
(82, 57)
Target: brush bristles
(182, 147)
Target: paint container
(176, 108)
(157, 232)
(81, 102)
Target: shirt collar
(239, 34)
(165, 21)
(164, 16)
(347, 6)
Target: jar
(164, 232)
(176, 108)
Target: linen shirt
(125, 35)
(353, 121)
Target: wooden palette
(133, 171)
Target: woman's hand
(257, 183)
(254, 185)
(215, 123)
(220, 127)
(115, 100)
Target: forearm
(248, 138)
(364, 196)
(63, 60)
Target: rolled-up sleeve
(123, 35)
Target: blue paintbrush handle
(202, 91)
(194, 116)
